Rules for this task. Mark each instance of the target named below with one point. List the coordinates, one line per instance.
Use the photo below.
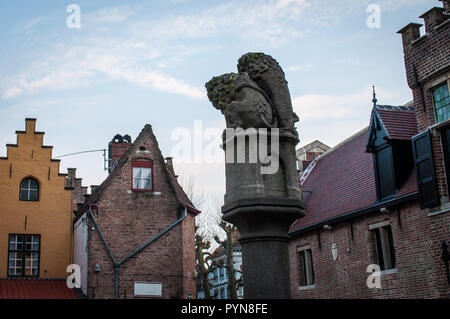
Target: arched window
(29, 190)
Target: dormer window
(389, 141)
(142, 176)
(382, 159)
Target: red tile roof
(342, 181)
(400, 123)
(35, 289)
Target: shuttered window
(306, 268)
(445, 135)
(426, 176)
(384, 173)
(384, 247)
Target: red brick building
(134, 236)
(382, 196)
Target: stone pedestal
(263, 196)
(263, 226)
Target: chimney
(446, 5)
(410, 33)
(169, 164)
(118, 146)
(70, 180)
(30, 125)
(433, 17)
(94, 188)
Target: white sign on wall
(334, 251)
(147, 289)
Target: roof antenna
(374, 100)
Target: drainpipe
(101, 236)
(116, 265)
(155, 238)
(116, 281)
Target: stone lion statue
(258, 97)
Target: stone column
(263, 225)
(263, 195)
(258, 205)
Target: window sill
(306, 287)
(136, 191)
(389, 271)
(442, 210)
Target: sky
(131, 63)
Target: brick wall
(417, 234)
(427, 64)
(420, 273)
(128, 220)
(189, 262)
(116, 150)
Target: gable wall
(129, 219)
(50, 216)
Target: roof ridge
(171, 177)
(347, 140)
(402, 108)
(94, 196)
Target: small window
(384, 247)
(23, 255)
(29, 190)
(142, 176)
(306, 268)
(441, 102)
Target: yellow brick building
(35, 210)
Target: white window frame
(309, 266)
(385, 245)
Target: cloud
(29, 28)
(323, 107)
(311, 107)
(331, 118)
(109, 15)
(131, 54)
(397, 4)
(296, 68)
(30, 24)
(270, 21)
(80, 65)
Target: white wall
(81, 248)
